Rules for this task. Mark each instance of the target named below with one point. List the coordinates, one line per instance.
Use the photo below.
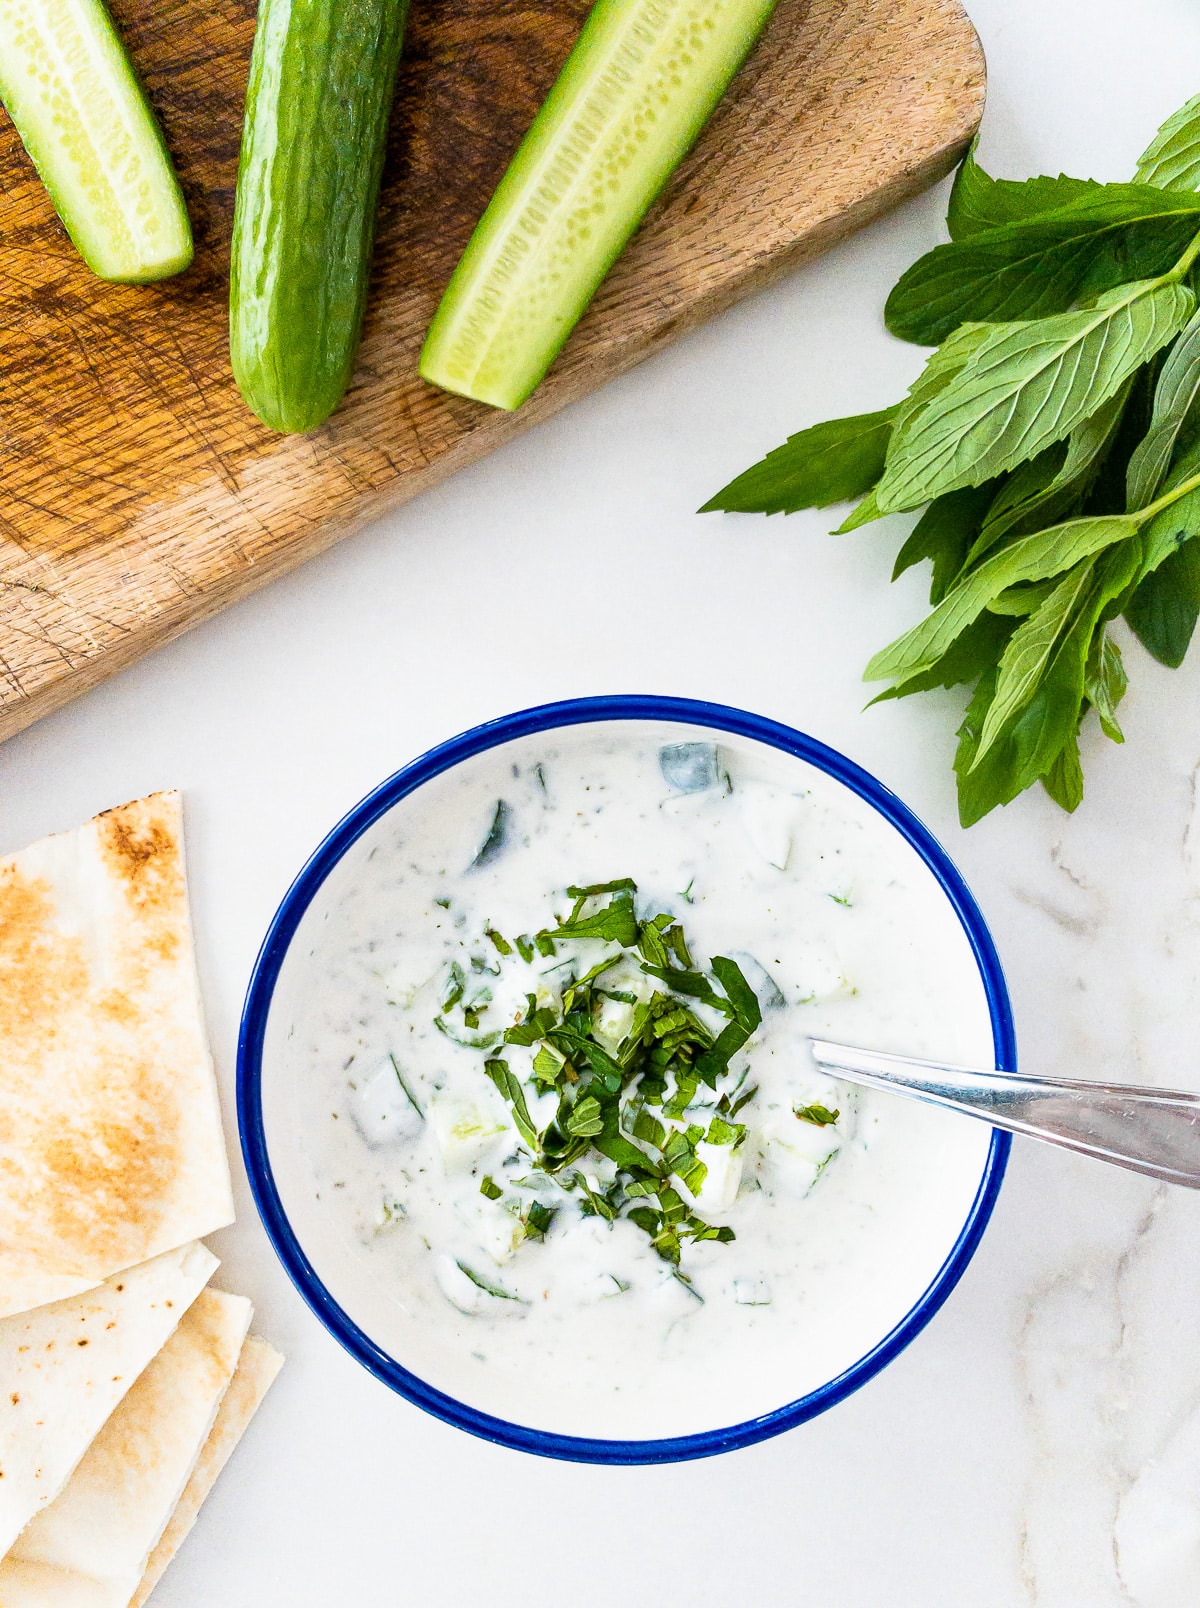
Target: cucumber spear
(637, 89)
(322, 78)
(82, 116)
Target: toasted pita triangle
(111, 1512)
(256, 1369)
(65, 1367)
(111, 1148)
(38, 1585)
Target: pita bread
(111, 1148)
(108, 1516)
(65, 1367)
(256, 1369)
(32, 1585)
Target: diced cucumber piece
(798, 1152)
(752, 1292)
(496, 1230)
(463, 1131)
(84, 119)
(690, 767)
(612, 1023)
(722, 1178)
(637, 89)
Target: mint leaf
(1053, 485)
(585, 1120)
(981, 787)
(1172, 159)
(1030, 650)
(1164, 609)
(1176, 407)
(1032, 741)
(746, 1010)
(945, 534)
(509, 1086)
(1043, 265)
(941, 369)
(818, 1114)
(829, 463)
(615, 923)
(866, 513)
(967, 658)
(1179, 522)
(486, 1285)
(496, 837)
(1064, 780)
(1025, 386)
(1105, 683)
(979, 202)
(1033, 558)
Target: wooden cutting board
(137, 494)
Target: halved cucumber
(82, 116)
(639, 86)
(322, 78)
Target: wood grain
(137, 494)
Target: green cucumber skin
(322, 78)
(497, 329)
(121, 240)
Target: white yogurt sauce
(838, 1228)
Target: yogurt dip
(823, 1212)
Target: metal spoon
(1152, 1131)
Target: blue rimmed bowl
(315, 1257)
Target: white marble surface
(1040, 1443)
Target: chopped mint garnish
(411, 1097)
(481, 1283)
(491, 1189)
(538, 1218)
(819, 1114)
(493, 843)
(455, 983)
(622, 1107)
(469, 1040)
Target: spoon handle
(1152, 1131)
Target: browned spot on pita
(118, 1007)
(39, 971)
(105, 1178)
(143, 854)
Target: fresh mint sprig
(1053, 441)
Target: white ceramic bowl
(961, 1162)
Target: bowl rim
(492, 733)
